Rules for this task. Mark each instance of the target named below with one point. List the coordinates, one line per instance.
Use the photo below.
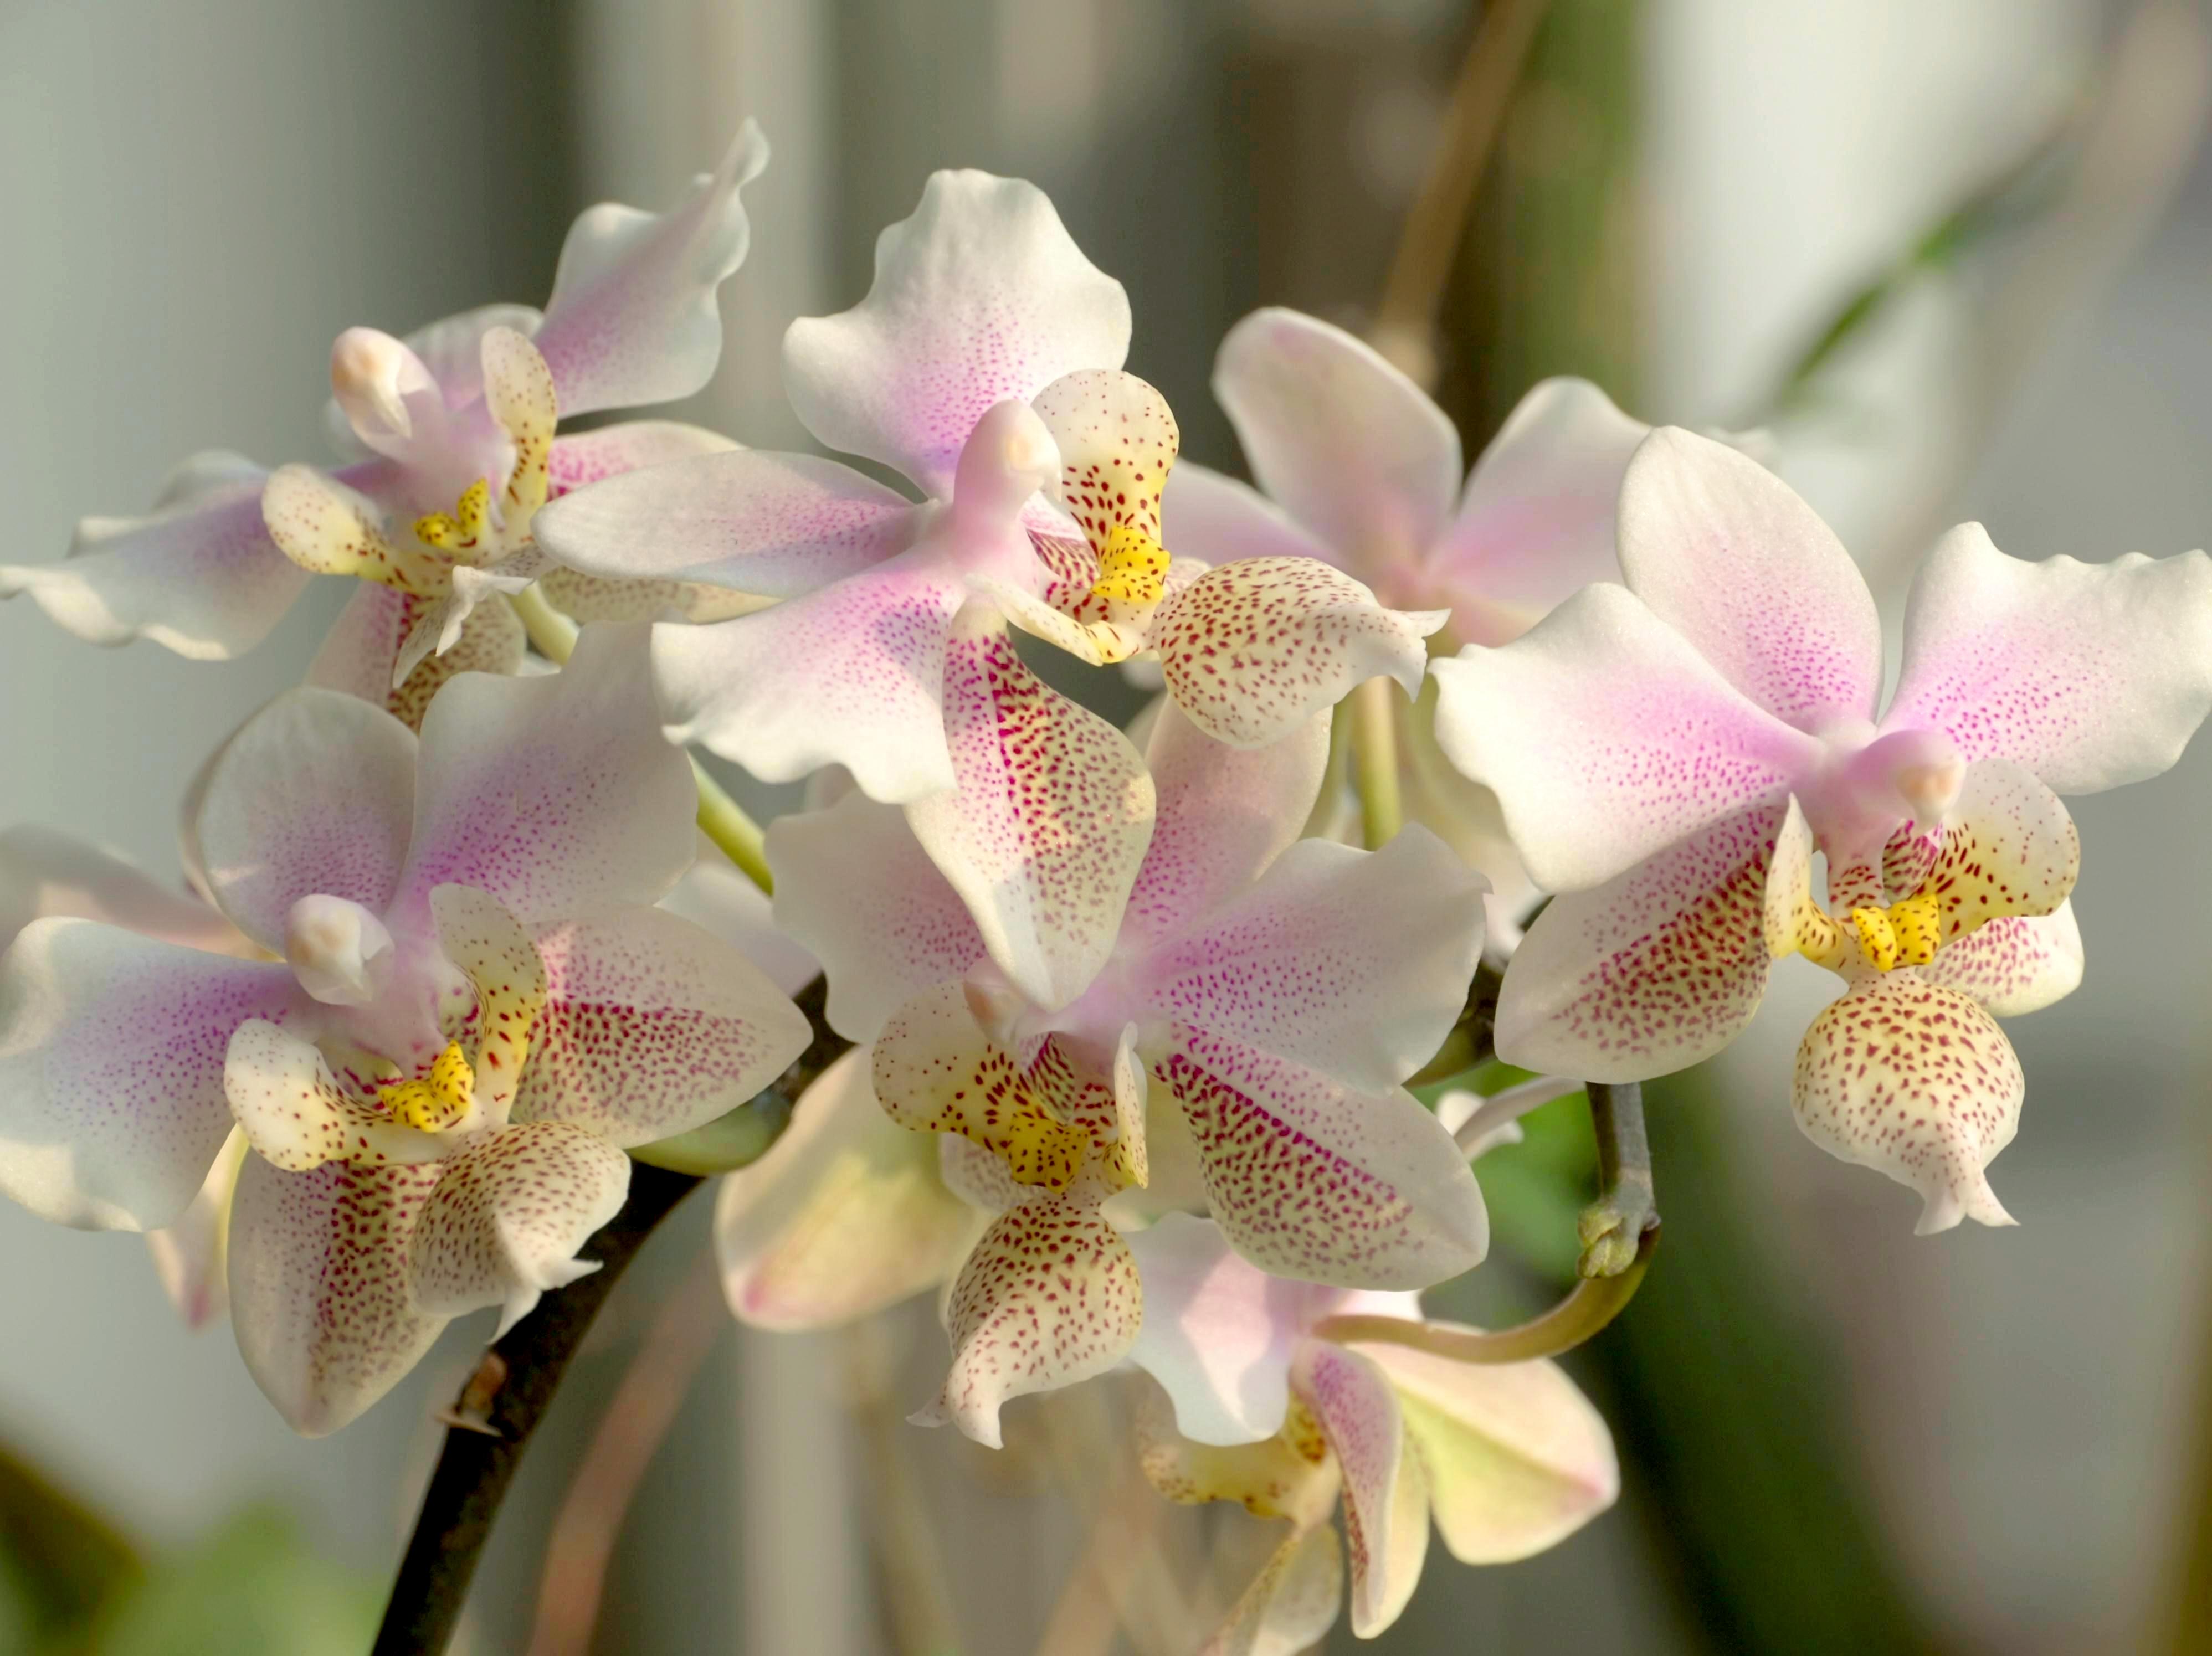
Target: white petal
(552, 794)
(1351, 446)
(320, 1293)
(1608, 739)
(1350, 963)
(1386, 1497)
(980, 297)
(297, 1117)
(313, 795)
(633, 317)
(192, 1256)
(713, 894)
(2089, 675)
(200, 576)
(45, 873)
(2016, 964)
(585, 457)
(854, 886)
(111, 1106)
(1219, 519)
(1290, 1604)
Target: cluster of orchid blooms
(1132, 1023)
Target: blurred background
(1953, 257)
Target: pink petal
(1352, 449)
(853, 675)
(1220, 520)
(1651, 973)
(192, 1257)
(112, 1105)
(2088, 674)
(2016, 964)
(854, 886)
(1386, 1497)
(1312, 1179)
(980, 297)
(1608, 739)
(713, 894)
(633, 318)
(319, 1286)
(1725, 552)
(1047, 823)
(199, 575)
(585, 456)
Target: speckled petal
(2014, 966)
(297, 1117)
(507, 1217)
(441, 624)
(1222, 815)
(1386, 1496)
(979, 297)
(2011, 849)
(1608, 738)
(847, 1213)
(359, 655)
(2089, 675)
(111, 1106)
(318, 1286)
(1653, 971)
(585, 457)
(651, 1027)
(1354, 450)
(853, 675)
(713, 894)
(1048, 1297)
(199, 575)
(329, 528)
(1916, 1081)
(315, 794)
(1290, 1604)
(854, 886)
(1727, 553)
(552, 794)
(633, 318)
(1043, 832)
(1352, 963)
(772, 525)
(496, 953)
(1118, 441)
(1313, 1180)
(45, 873)
(1517, 1459)
(192, 1257)
(1251, 649)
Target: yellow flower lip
(438, 1102)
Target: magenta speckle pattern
(1359, 1415)
(2013, 965)
(509, 1214)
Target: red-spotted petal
(1386, 1494)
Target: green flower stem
(1374, 758)
(1613, 1227)
(1468, 1044)
(721, 818)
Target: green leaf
(63, 1559)
(252, 1589)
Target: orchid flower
(1358, 467)
(1646, 742)
(1269, 1412)
(466, 1009)
(1278, 992)
(984, 366)
(452, 432)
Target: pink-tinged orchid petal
(314, 795)
(586, 456)
(1251, 649)
(1222, 815)
(1290, 1604)
(2016, 964)
(1464, 815)
(192, 1257)
(1536, 523)
(854, 886)
(774, 525)
(652, 1026)
(390, 401)
(1517, 1459)
(451, 347)
(1219, 1334)
(503, 1226)
(2089, 675)
(713, 894)
(359, 656)
(45, 873)
(1608, 739)
(1312, 1179)
(1386, 1496)
(1221, 520)
(980, 297)
(320, 1293)
(298, 1118)
(199, 575)
(586, 599)
(111, 1106)
(1046, 825)
(552, 794)
(633, 318)
(845, 1215)
(1352, 964)
(1352, 448)
(1916, 1081)
(1048, 1297)
(443, 623)
(853, 675)
(1652, 972)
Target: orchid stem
(519, 1377)
(721, 818)
(1374, 756)
(1614, 1227)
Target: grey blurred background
(198, 198)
